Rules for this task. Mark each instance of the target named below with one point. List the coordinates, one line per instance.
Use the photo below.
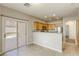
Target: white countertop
(49, 32)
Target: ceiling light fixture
(27, 4)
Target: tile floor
(32, 50)
(35, 50)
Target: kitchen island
(51, 40)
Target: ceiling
(41, 10)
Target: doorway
(67, 33)
(71, 31)
(14, 33)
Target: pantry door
(9, 31)
(22, 33)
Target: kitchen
(48, 35)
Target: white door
(9, 40)
(22, 36)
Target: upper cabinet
(38, 26)
(51, 26)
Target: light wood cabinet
(51, 26)
(38, 26)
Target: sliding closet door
(22, 36)
(9, 34)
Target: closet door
(22, 36)
(9, 40)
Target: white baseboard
(47, 47)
